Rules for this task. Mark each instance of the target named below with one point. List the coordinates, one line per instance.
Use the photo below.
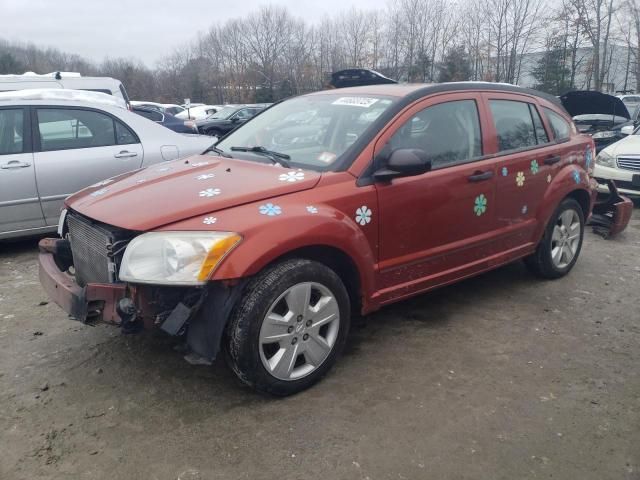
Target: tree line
(271, 54)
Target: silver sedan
(51, 147)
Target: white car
(56, 142)
(620, 162)
(170, 108)
(199, 112)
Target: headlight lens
(606, 134)
(175, 258)
(605, 159)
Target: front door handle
(479, 176)
(125, 154)
(15, 164)
(552, 159)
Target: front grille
(95, 259)
(629, 163)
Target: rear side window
(11, 131)
(559, 126)
(448, 132)
(124, 136)
(514, 124)
(150, 114)
(541, 134)
(63, 129)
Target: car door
(525, 164)
(77, 147)
(19, 202)
(438, 226)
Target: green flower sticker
(534, 166)
(480, 205)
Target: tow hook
(126, 310)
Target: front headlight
(605, 159)
(601, 135)
(175, 258)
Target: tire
(269, 346)
(213, 133)
(545, 262)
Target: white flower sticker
(164, 169)
(524, 210)
(209, 220)
(549, 178)
(311, 209)
(205, 176)
(291, 176)
(270, 209)
(210, 192)
(102, 191)
(363, 215)
(199, 164)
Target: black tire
(213, 133)
(243, 348)
(541, 263)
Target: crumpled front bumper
(93, 302)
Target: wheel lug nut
(309, 323)
(294, 340)
(299, 318)
(290, 329)
(305, 336)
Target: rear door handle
(125, 154)
(479, 176)
(551, 160)
(15, 164)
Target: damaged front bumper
(611, 214)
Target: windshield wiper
(215, 149)
(275, 157)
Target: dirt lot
(500, 377)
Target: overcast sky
(136, 28)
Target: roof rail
(59, 94)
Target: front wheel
(289, 327)
(561, 243)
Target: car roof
(47, 95)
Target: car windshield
(224, 113)
(314, 131)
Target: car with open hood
(266, 254)
(598, 114)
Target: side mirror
(627, 130)
(404, 162)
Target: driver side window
(448, 132)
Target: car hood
(181, 189)
(629, 145)
(581, 102)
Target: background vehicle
(620, 162)
(227, 119)
(67, 80)
(630, 101)
(170, 108)
(267, 253)
(357, 77)
(166, 119)
(51, 147)
(199, 112)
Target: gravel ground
(500, 377)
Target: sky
(145, 30)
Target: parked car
(267, 253)
(199, 112)
(227, 119)
(620, 162)
(166, 119)
(597, 114)
(170, 108)
(66, 80)
(357, 77)
(630, 101)
(55, 142)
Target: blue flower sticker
(480, 204)
(534, 166)
(270, 209)
(524, 210)
(576, 176)
(505, 171)
(588, 156)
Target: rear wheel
(560, 246)
(289, 327)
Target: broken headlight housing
(605, 160)
(602, 135)
(175, 258)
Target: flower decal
(312, 209)
(209, 220)
(505, 171)
(534, 166)
(524, 210)
(520, 179)
(480, 205)
(270, 209)
(588, 156)
(576, 176)
(97, 193)
(549, 178)
(210, 192)
(291, 176)
(164, 169)
(363, 215)
(199, 164)
(205, 176)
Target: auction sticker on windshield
(356, 101)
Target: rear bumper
(93, 302)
